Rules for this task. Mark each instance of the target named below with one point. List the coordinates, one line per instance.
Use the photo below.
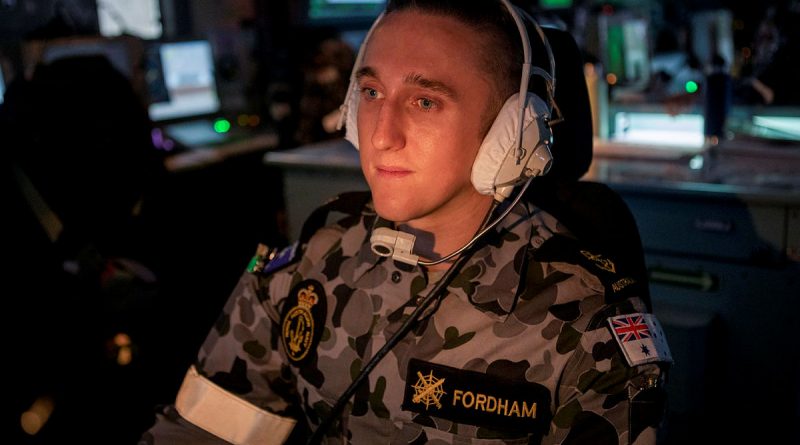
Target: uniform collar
(490, 279)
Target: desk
(721, 232)
(199, 157)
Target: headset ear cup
(495, 165)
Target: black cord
(434, 295)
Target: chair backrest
(592, 211)
(82, 136)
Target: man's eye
(370, 93)
(425, 103)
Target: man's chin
(394, 210)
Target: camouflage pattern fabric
(518, 352)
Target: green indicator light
(691, 86)
(222, 126)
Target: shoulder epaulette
(620, 283)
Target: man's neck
(447, 232)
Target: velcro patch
(641, 338)
(476, 398)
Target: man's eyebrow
(413, 79)
(431, 84)
(366, 71)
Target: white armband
(227, 416)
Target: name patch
(476, 398)
(303, 319)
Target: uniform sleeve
(171, 428)
(239, 390)
(602, 400)
(601, 397)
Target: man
(519, 349)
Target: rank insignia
(599, 261)
(303, 320)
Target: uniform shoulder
(624, 314)
(621, 279)
(316, 231)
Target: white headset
(515, 149)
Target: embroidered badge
(641, 338)
(303, 320)
(599, 261)
(622, 283)
(428, 390)
(476, 398)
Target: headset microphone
(386, 242)
(398, 245)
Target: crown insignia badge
(303, 320)
(306, 297)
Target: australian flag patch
(641, 338)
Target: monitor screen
(343, 10)
(2, 87)
(555, 4)
(659, 129)
(776, 127)
(625, 51)
(140, 18)
(181, 80)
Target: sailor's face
(423, 97)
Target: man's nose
(388, 133)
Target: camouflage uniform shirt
(519, 351)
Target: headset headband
(527, 68)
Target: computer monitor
(140, 18)
(548, 5)
(181, 80)
(340, 12)
(625, 50)
(655, 130)
(2, 86)
(778, 127)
